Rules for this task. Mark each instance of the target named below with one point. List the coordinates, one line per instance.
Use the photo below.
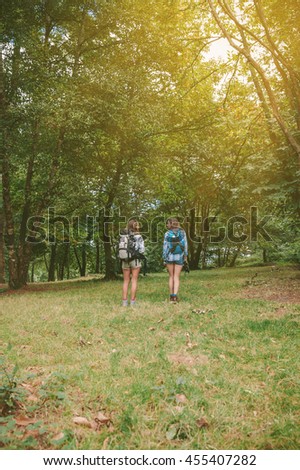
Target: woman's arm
(140, 245)
(185, 246)
(165, 248)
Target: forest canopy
(118, 109)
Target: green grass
(155, 370)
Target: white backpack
(131, 247)
(124, 253)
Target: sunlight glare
(219, 49)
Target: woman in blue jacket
(175, 252)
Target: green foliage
(53, 389)
(10, 392)
(111, 106)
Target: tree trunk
(32, 272)
(68, 263)
(2, 248)
(24, 248)
(63, 261)
(97, 266)
(219, 258)
(51, 272)
(194, 263)
(204, 231)
(14, 282)
(46, 263)
(24, 255)
(83, 260)
(225, 257)
(194, 242)
(77, 259)
(203, 259)
(18, 256)
(234, 257)
(265, 255)
(109, 262)
(2, 156)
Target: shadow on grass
(56, 285)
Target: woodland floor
(220, 370)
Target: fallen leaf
(222, 356)
(152, 328)
(181, 398)
(24, 421)
(105, 443)
(101, 418)
(81, 421)
(32, 398)
(32, 433)
(172, 432)
(58, 436)
(202, 423)
(162, 319)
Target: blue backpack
(176, 242)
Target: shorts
(135, 263)
(179, 262)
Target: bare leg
(126, 282)
(170, 268)
(134, 282)
(177, 271)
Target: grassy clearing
(164, 376)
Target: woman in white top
(131, 268)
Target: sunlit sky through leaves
(219, 49)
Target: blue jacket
(175, 251)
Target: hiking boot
(132, 303)
(173, 299)
(124, 303)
